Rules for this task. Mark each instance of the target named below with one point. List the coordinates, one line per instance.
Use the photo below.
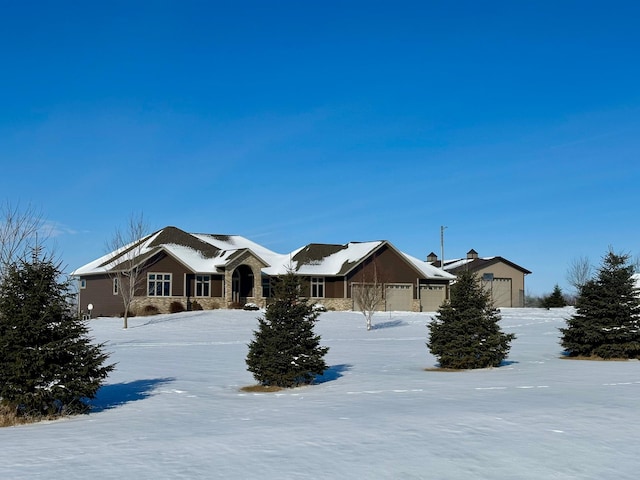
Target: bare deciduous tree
(368, 292)
(19, 228)
(126, 267)
(579, 272)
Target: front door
(242, 284)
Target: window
(83, 283)
(317, 287)
(203, 286)
(267, 290)
(116, 286)
(159, 284)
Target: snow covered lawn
(173, 408)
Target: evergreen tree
(555, 300)
(607, 319)
(48, 365)
(465, 332)
(285, 352)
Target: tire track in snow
(421, 390)
(171, 344)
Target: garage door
(501, 292)
(399, 297)
(431, 297)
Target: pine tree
(555, 300)
(465, 332)
(48, 365)
(285, 352)
(607, 319)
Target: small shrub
(150, 310)
(196, 306)
(176, 307)
(250, 306)
(318, 307)
(235, 305)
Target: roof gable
(329, 259)
(474, 264)
(318, 259)
(200, 253)
(175, 236)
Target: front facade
(226, 271)
(501, 277)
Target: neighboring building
(225, 271)
(504, 279)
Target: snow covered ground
(173, 409)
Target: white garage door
(399, 297)
(431, 297)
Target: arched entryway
(242, 284)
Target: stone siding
(163, 304)
(337, 304)
(256, 267)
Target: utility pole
(442, 247)
(447, 293)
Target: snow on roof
(459, 262)
(231, 244)
(192, 259)
(427, 269)
(308, 260)
(451, 264)
(108, 261)
(202, 253)
(199, 252)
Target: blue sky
(514, 124)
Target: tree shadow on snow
(332, 373)
(117, 394)
(389, 324)
(505, 363)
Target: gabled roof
(474, 264)
(330, 260)
(429, 270)
(200, 253)
(322, 259)
(209, 253)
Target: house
(407, 284)
(503, 278)
(226, 271)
